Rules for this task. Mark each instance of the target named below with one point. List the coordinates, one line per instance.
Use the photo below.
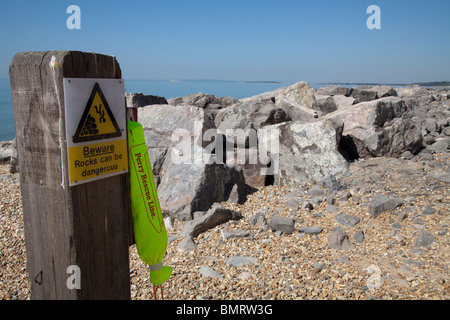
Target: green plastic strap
(149, 230)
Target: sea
(163, 88)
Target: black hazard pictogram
(97, 121)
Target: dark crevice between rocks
(348, 148)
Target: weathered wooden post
(75, 207)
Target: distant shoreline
(271, 82)
(419, 84)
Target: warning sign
(97, 121)
(95, 129)
(97, 160)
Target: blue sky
(284, 40)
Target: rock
(250, 115)
(171, 239)
(215, 216)
(276, 116)
(138, 100)
(384, 91)
(14, 164)
(396, 225)
(187, 244)
(397, 236)
(424, 239)
(347, 220)
(205, 101)
(259, 220)
(381, 203)
(417, 220)
(399, 136)
(199, 100)
(302, 153)
(440, 145)
(311, 230)
(234, 196)
(285, 225)
(235, 234)
(333, 90)
(343, 102)
(338, 239)
(299, 94)
(6, 151)
(362, 94)
(376, 128)
(208, 272)
(425, 154)
(292, 204)
(429, 210)
(237, 123)
(359, 236)
(407, 155)
(343, 195)
(164, 127)
(254, 170)
(332, 208)
(324, 105)
(344, 259)
(239, 261)
(315, 191)
(431, 125)
(285, 104)
(189, 187)
(318, 266)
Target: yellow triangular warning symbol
(97, 121)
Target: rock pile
(294, 136)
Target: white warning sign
(95, 128)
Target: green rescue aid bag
(149, 230)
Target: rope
(155, 290)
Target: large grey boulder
(298, 94)
(195, 184)
(359, 94)
(209, 102)
(255, 113)
(302, 153)
(377, 128)
(203, 100)
(164, 126)
(324, 105)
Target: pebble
(347, 220)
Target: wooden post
(85, 226)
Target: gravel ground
(387, 264)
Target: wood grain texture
(87, 225)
